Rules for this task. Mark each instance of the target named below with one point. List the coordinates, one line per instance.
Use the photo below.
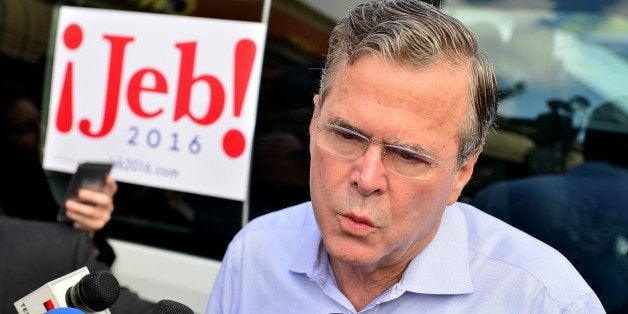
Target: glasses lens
(405, 163)
(341, 142)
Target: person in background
(26, 192)
(582, 213)
(36, 252)
(403, 109)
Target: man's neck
(361, 285)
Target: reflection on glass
(556, 166)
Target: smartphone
(88, 175)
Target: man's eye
(345, 135)
(407, 157)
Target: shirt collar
(306, 255)
(442, 267)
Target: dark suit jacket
(33, 253)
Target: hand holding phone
(88, 175)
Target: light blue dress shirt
(475, 264)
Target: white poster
(170, 100)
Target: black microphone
(94, 293)
(171, 307)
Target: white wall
(157, 274)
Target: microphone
(171, 307)
(94, 292)
(79, 289)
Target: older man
(401, 116)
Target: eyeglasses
(402, 161)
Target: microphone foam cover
(95, 292)
(171, 307)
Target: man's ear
(462, 177)
(317, 108)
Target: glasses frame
(431, 161)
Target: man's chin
(353, 254)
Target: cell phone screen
(88, 175)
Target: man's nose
(370, 172)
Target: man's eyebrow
(338, 121)
(412, 147)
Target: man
(36, 252)
(28, 194)
(404, 105)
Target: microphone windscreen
(171, 307)
(95, 292)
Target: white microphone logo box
(51, 295)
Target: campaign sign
(169, 100)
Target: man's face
(23, 129)
(370, 217)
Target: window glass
(556, 165)
(184, 222)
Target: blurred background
(555, 165)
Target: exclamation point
(72, 39)
(233, 142)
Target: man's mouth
(356, 225)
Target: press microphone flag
(91, 293)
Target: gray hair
(415, 33)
